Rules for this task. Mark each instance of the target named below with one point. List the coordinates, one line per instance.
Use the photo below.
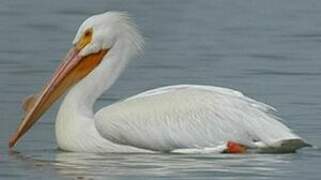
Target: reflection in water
(100, 166)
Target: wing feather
(189, 116)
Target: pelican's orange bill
(73, 68)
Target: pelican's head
(96, 39)
(102, 31)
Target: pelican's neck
(88, 90)
(75, 125)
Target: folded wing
(188, 116)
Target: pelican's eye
(88, 32)
(85, 39)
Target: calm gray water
(270, 50)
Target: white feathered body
(176, 117)
(189, 116)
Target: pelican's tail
(285, 146)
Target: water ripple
(280, 73)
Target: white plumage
(190, 116)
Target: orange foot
(235, 148)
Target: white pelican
(180, 118)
